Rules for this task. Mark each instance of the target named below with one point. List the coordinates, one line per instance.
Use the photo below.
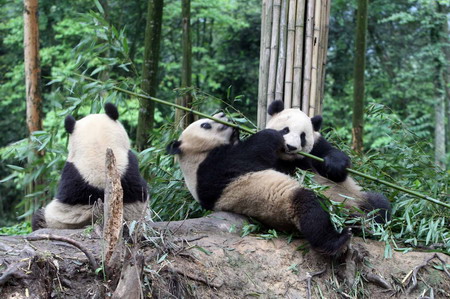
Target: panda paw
(336, 167)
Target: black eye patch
(206, 126)
(303, 139)
(285, 131)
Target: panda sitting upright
(301, 133)
(83, 177)
(240, 177)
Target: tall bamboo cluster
(294, 40)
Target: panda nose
(291, 148)
(221, 114)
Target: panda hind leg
(315, 224)
(378, 201)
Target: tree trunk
(359, 68)
(32, 65)
(32, 83)
(149, 71)
(182, 117)
(440, 94)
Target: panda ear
(173, 148)
(111, 111)
(275, 107)
(69, 124)
(317, 122)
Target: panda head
(299, 130)
(202, 136)
(89, 138)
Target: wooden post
(113, 215)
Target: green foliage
(23, 228)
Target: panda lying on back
(83, 177)
(301, 133)
(224, 174)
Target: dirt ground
(201, 258)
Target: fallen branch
(90, 257)
(412, 275)
(309, 277)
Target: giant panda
(301, 133)
(223, 173)
(83, 178)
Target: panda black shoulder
(111, 111)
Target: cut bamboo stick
(274, 51)
(315, 57)
(325, 51)
(266, 24)
(308, 55)
(298, 55)
(282, 51)
(290, 55)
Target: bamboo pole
(322, 53)
(315, 57)
(298, 56)
(282, 52)
(273, 51)
(264, 63)
(308, 56)
(248, 130)
(325, 50)
(290, 55)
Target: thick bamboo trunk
(323, 55)
(290, 55)
(282, 52)
(274, 43)
(298, 55)
(264, 61)
(359, 68)
(182, 117)
(32, 65)
(149, 71)
(309, 55)
(315, 56)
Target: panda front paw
(336, 167)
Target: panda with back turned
(301, 133)
(223, 173)
(83, 178)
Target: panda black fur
(83, 177)
(225, 174)
(301, 133)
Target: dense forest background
(407, 71)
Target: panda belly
(265, 195)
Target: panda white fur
(301, 133)
(83, 177)
(225, 174)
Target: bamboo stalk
(273, 51)
(315, 57)
(298, 56)
(325, 49)
(322, 53)
(290, 55)
(264, 63)
(308, 55)
(248, 130)
(282, 52)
